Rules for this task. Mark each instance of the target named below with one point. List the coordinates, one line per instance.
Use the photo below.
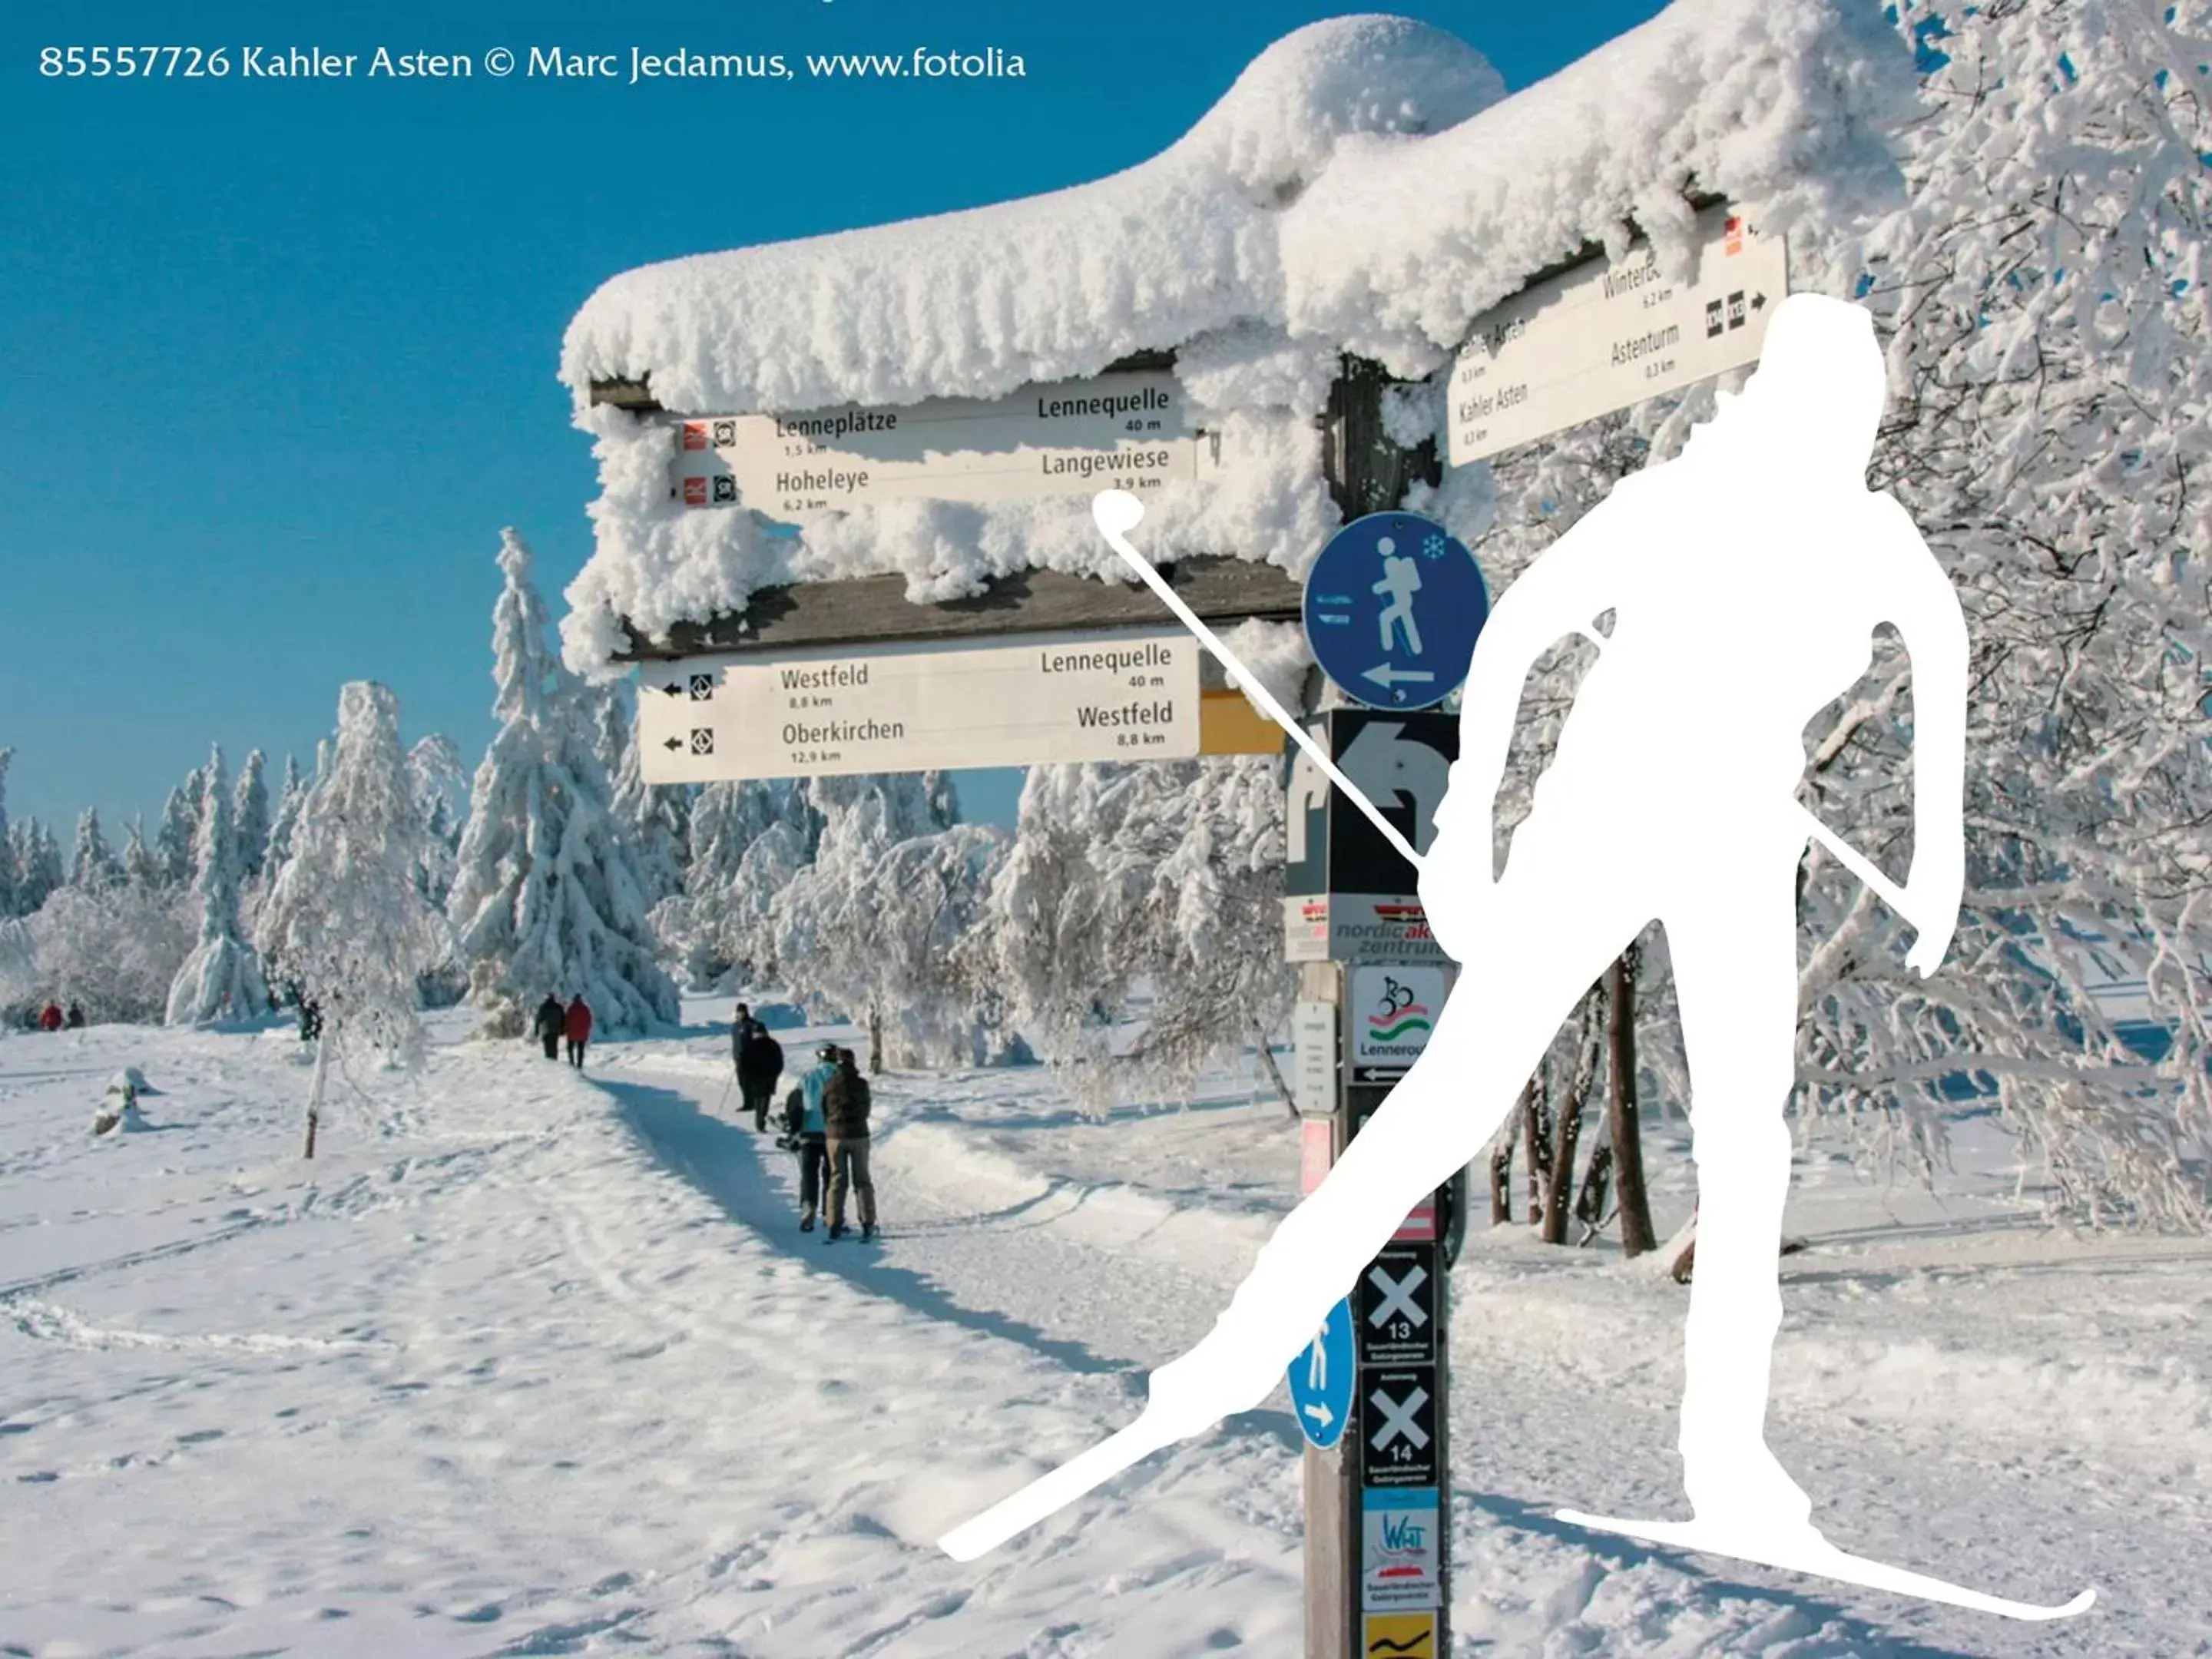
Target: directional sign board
(1322, 1379)
(1017, 701)
(1603, 337)
(1349, 896)
(1129, 431)
(1313, 1034)
(1392, 608)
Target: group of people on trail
(51, 1018)
(825, 1121)
(556, 1020)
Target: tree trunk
(1561, 1174)
(1636, 1232)
(1685, 1246)
(1274, 1071)
(315, 1090)
(1501, 1164)
(1536, 1136)
(875, 1041)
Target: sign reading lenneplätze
(1017, 701)
(1127, 431)
(1604, 336)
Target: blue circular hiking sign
(1392, 609)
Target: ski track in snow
(527, 1363)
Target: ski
(1805, 1551)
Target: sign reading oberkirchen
(1125, 431)
(1017, 701)
(1604, 336)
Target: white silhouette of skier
(1746, 581)
(1401, 579)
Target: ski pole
(1116, 513)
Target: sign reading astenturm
(1603, 337)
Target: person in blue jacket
(804, 1122)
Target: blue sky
(280, 356)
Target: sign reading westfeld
(1606, 336)
(1127, 431)
(1016, 702)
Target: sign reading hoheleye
(1603, 337)
(907, 708)
(1125, 431)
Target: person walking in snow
(759, 1058)
(577, 1023)
(552, 1021)
(50, 1017)
(74, 1020)
(845, 1103)
(805, 1121)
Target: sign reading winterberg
(1018, 701)
(1127, 431)
(1604, 336)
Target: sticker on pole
(1392, 608)
(1322, 1379)
(1400, 1564)
(1399, 1636)
(1393, 1010)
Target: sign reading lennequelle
(1127, 431)
(1017, 701)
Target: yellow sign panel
(1228, 724)
(1400, 1636)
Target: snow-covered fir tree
(346, 920)
(249, 812)
(547, 895)
(174, 841)
(139, 867)
(36, 858)
(440, 787)
(657, 816)
(222, 979)
(92, 861)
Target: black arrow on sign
(673, 743)
(1757, 301)
(673, 689)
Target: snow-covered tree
(347, 920)
(36, 857)
(1168, 875)
(845, 931)
(440, 787)
(92, 862)
(706, 924)
(139, 867)
(115, 949)
(221, 978)
(249, 812)
(174, 843)
(291, 795)
(2042, 301)
(656, 815)
(547, 897)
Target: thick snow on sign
(1362, 186)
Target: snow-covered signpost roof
(1362, 192)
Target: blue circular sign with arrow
(1392, 609)
(1320, 1379)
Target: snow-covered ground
(530, 1363)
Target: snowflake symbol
(1432, 547)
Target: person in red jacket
(50, 1017)
(579, 1027)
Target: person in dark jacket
(803, 1120)
(760, 1064)
(552, 1022)
(578, 1025)
(845, 1104)
(75, 1018)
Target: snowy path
(537, 1364)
